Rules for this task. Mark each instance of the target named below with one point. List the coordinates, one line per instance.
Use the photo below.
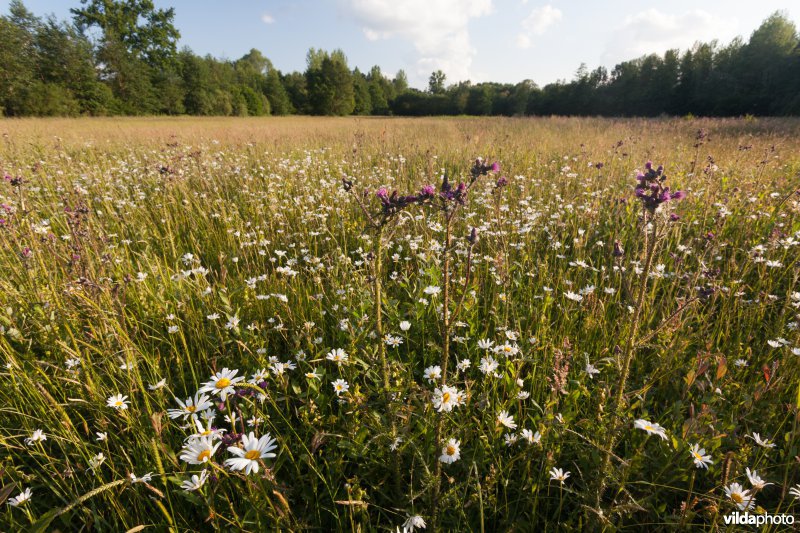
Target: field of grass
(539, 349)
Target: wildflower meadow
(451, 324)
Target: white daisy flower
(433, 373)
(38, 436)
(222, 383)
(190, 407)
(739, 496)
(251, 452)
(117, 401)
(766, 443)
(756, 480)
(556, 474)
(451, 452)
(412, 523)
(199, 451)
(701, 460)
(20, 499)
(340, 386)
(338, 356)
(196, 482)
(144, 479)
(446, 398)
(506, 420)
(531, 437)
(651, 428)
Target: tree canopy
(120, 57)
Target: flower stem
(627, 358)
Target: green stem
(434, 512)
(627, 358)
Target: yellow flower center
(191, 408)
(736, 497)
(118, 403)
(649, 428)
(222, 383)
(253, 455)
(445, 397)
(203, 456)
(451, 450)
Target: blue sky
(480, 40)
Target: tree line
(120, 57)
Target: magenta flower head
(428, 191)
(383, 194)
(481, 168)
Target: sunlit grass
(142, 250)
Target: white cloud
(652, 31)
(266, 18)
(540, 19)
(438, 30)
(523, 41)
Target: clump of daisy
(252, 451)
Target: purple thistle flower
(650, 189)
(481, 168)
